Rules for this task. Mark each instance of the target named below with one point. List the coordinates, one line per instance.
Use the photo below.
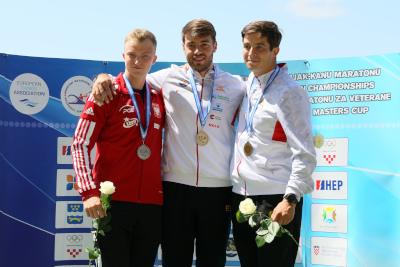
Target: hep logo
(66, 150)
(328, 185)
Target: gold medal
(202, 138)
(248, 149)
(143, 152)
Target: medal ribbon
(251, 111)
(143, 131)
(202, 113)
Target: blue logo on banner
(71, 219)
(75, 207)
(328, 185)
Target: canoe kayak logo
(29, 93)
(74, 93)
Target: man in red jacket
(128, 136)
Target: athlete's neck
(137, 82)
(267, 69)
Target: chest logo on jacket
(130, 122)
(156, 109)
(127, 109)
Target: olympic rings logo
(330, 143)
(74, 238)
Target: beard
(200, 66)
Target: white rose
(107, 188)
(247, 206)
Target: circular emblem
(29, 93)
(74, 93)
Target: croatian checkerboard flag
(334, 152)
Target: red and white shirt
(115, 130)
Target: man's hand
(283, 212)
(103, 89)
(93, 208)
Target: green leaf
(261, 231)
(94, 253)
(260, 241)
(265, 223)
(102, 233)
(274, 228)
(95, 224)
(269, 237)
(240, 217)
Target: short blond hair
(141, 35)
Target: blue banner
(350, 219)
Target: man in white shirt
(201, 101)
(274, 154)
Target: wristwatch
(291, 198)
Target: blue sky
(89, 29)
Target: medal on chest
(143, 152)
(202, 137)
(253, 101)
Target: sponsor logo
(74, 94)
(127, 109)
(74, 219)
(71, 183)
(215, 117)
(218, 107)
(70, 214)
(222, 98)
(74, 252)
(64, 150)
(329, 215)
(89, 111)
(74, 239)
(329, 251)
(330, 185)
(66, 183)
(334, 152)
(316, 250)
(156, 109)
(183, 83)
(213, 125)
(156, 126)
(329, 218)
(29, 93)
(130, 122)
(70, 246)
(220, 89)
(75, 207)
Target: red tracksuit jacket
(114, 128)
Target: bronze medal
(202, 138)
(248, 149)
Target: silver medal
(143, 152)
